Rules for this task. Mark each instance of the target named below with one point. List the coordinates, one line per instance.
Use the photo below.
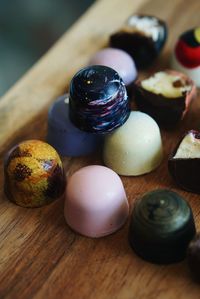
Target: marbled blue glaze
(67, 139)
(98, 100)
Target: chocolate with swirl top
(162, 226)
(98, 100)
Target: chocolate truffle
(186, 55)
(96, 203)
(161, 227)
(184, 162)
(193, 257)
(143, 37)
(67, 139)
(98, 100)
(165, 96)
(34, 175)
(118, 60)
(136, 147)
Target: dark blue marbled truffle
(98, 100)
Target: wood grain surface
(40, 257)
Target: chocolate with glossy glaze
(161, 227)
(186, 54)
(33, 174)
(98, 101)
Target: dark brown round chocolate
(161, 227)
(185, 170)
(142, 37)
(193, 257)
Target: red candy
(186, 55)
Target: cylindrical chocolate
(98, 100)
(67, 139)
(142, 37)
(161, 227)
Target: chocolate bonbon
(161, 227)
(96, 203)
(33, 174)
(166, 96)
(184, 162)
(136, 147)
(193, 257)
(67, 139)
(118, 60)
(98, 101)
(186, 54)
(143, 37)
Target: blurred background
(27, 30)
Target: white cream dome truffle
(136, 147)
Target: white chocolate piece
(193, 73)
(189, 148)
(136, 147)
(162, 83)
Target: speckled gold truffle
(34, 175)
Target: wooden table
(40, 257)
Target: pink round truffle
(119, 60)
(96, 203)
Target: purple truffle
(119, 60)
(67, 139)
